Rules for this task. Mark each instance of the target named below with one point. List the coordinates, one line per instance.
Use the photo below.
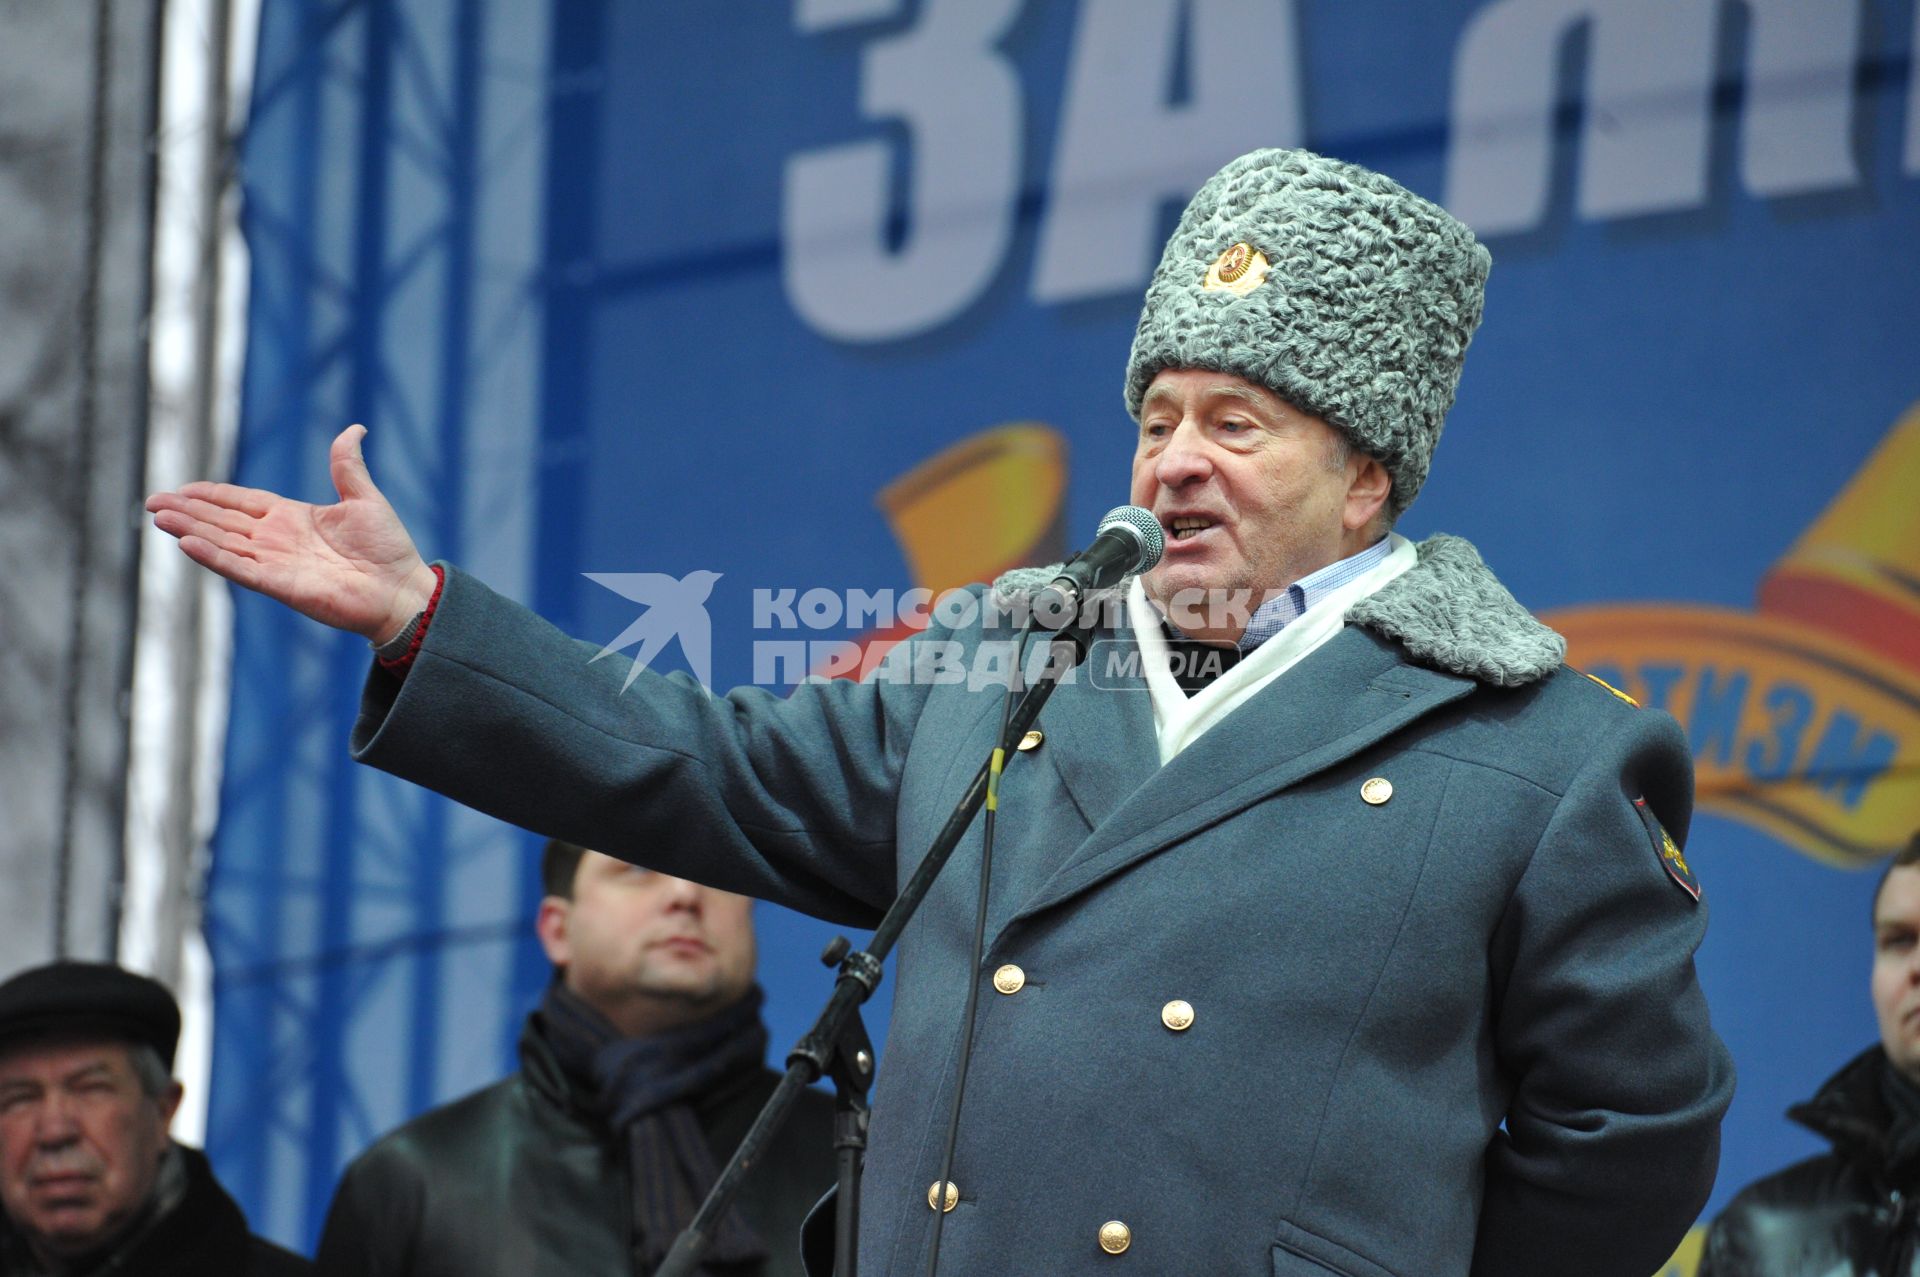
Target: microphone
(1129, 542)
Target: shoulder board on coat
(1609, 686)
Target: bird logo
(676, 607)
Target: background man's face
(646, 950)
(80, 1142)
(1253, 470)
(1896, 968)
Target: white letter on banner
(1913, 97)
(1643, 147)
(823, 15)
(1798, 124)
(1648, 104)
(960, 101)
(1124, 152)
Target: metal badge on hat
(1239, 270)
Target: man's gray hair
(155, 1077)
(1339, 452)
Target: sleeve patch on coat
(1669, 851)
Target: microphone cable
(994, 768)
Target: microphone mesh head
(1153, 541)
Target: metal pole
(180, 836)
(82, 475)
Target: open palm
(350, 565)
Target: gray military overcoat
(1454, 1032)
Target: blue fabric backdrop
(836, 295)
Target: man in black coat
(1851, 1212)
(640, 1072)
(90, 1182)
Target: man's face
(1246, 489)
(80, 1142)
(1896, 968)
(648, 951)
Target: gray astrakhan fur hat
(1336, 288)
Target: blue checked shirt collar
(1283, 609)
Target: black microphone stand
(838, 1046)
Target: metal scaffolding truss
(369, 938)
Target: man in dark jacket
(90, 1182)
(1851, 1212)
(640, 1072)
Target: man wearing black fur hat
(90, 1182)
(1369, 954)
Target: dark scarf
(648, 1089)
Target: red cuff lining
(402, 663)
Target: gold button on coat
(1377, 790)
(1115, 1237)
(933, 1195)
(1177, 1015)
(1031, 741)
(1009, 979)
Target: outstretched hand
(350, 565)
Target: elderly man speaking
(1369, 954)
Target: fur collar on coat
(1449, 611)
